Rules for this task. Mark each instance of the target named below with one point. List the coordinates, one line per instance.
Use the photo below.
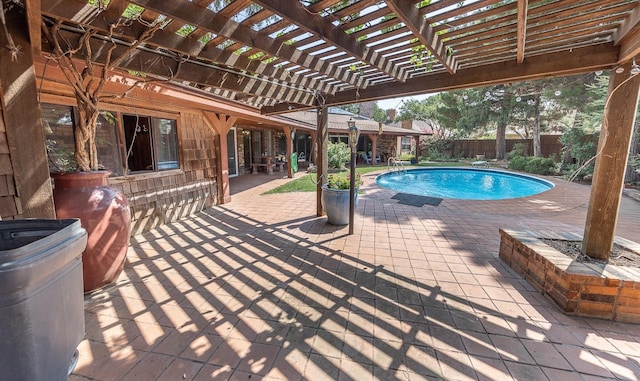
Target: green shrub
(407, 157)
(437, 149)
(518, 163)
(576, 172)
(532, 164)
(338, 154)
(540, 165)
(342, 181)
(518, 150)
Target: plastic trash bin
(41, 298)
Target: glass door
(232, 152)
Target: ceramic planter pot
(336, 204)
(104, 213)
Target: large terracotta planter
(336, 204)
(104, 213)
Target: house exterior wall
(162, 197)
(387, 146)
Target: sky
(397, 102)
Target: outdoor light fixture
(635, 69)
(354, 134)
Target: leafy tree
(353, 108)
(442, 112)
(379, 115)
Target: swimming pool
(463, 183)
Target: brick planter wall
(582, 289)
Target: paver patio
(262, 289)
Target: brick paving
(262, 289)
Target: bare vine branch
(87, 84)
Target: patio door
(232, 152)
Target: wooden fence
(550, 145)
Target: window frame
(120, 140)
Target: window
(406, 144)
(151, 144)
(58, 122)
(339, 138)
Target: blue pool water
(463, 183)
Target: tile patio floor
(262, 289)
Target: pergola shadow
(223, 295)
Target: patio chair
(302, 157)
(366, 158)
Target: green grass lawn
(307, 183)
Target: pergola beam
(34, 19)
(322, 28)
(408, 13)
(631, 23)
(171, 68)
(219, 24)
(522, 29)
(583, 60)
(71, 9)
(628, 36)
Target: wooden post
(313, 156)
(323, 160)
(221, 125)
(611, 164)
(23, 121)
(374, 147)
(288, 133)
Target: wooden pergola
(277, 56)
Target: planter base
(336, 204)
(104, 213)
(581, 289)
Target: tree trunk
(86, 153)
(501, 143)
(537, 147)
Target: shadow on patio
(224, 295)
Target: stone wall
(387, 145)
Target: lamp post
(354, 134)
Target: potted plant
(335, 197)
(85, 193)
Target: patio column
(323, 163)
(611, 163)
(288, 133)
(314, 149)
(221, 125)
(24, 157)
(374, 147)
